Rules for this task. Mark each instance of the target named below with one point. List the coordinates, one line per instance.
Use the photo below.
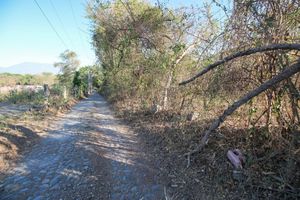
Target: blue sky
(26, 36)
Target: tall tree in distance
(68, 65)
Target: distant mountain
(29, 68)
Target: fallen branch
(286, 73)
(253, 124)
(241, 54)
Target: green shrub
(24, 97)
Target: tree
(285, 74)
(68, 65)
(81, 79)
(142, 47)
(262, 23)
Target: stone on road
(90, 155)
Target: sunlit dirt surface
(90, 155)
(11, 110)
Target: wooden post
(90, 83)
(65, 94)
(46, 93)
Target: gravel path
(11, 110)
(91, 155)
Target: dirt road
(10, 110)
(91, 155)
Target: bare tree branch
(241, 54)
(286, 73)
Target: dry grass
(271, 171)
(7, 79)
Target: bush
(25, 97)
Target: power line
(75, 20)
(44, 14)
(61, 23)
(79, 34)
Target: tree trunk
(269, 108)
(166, 91)
(171, 74)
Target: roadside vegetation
(18, 88)
(249, 54)
(39, 100)
(7, 79)
(71, 82)
(195, 82)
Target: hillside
(29, 68)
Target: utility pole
(90, 83)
